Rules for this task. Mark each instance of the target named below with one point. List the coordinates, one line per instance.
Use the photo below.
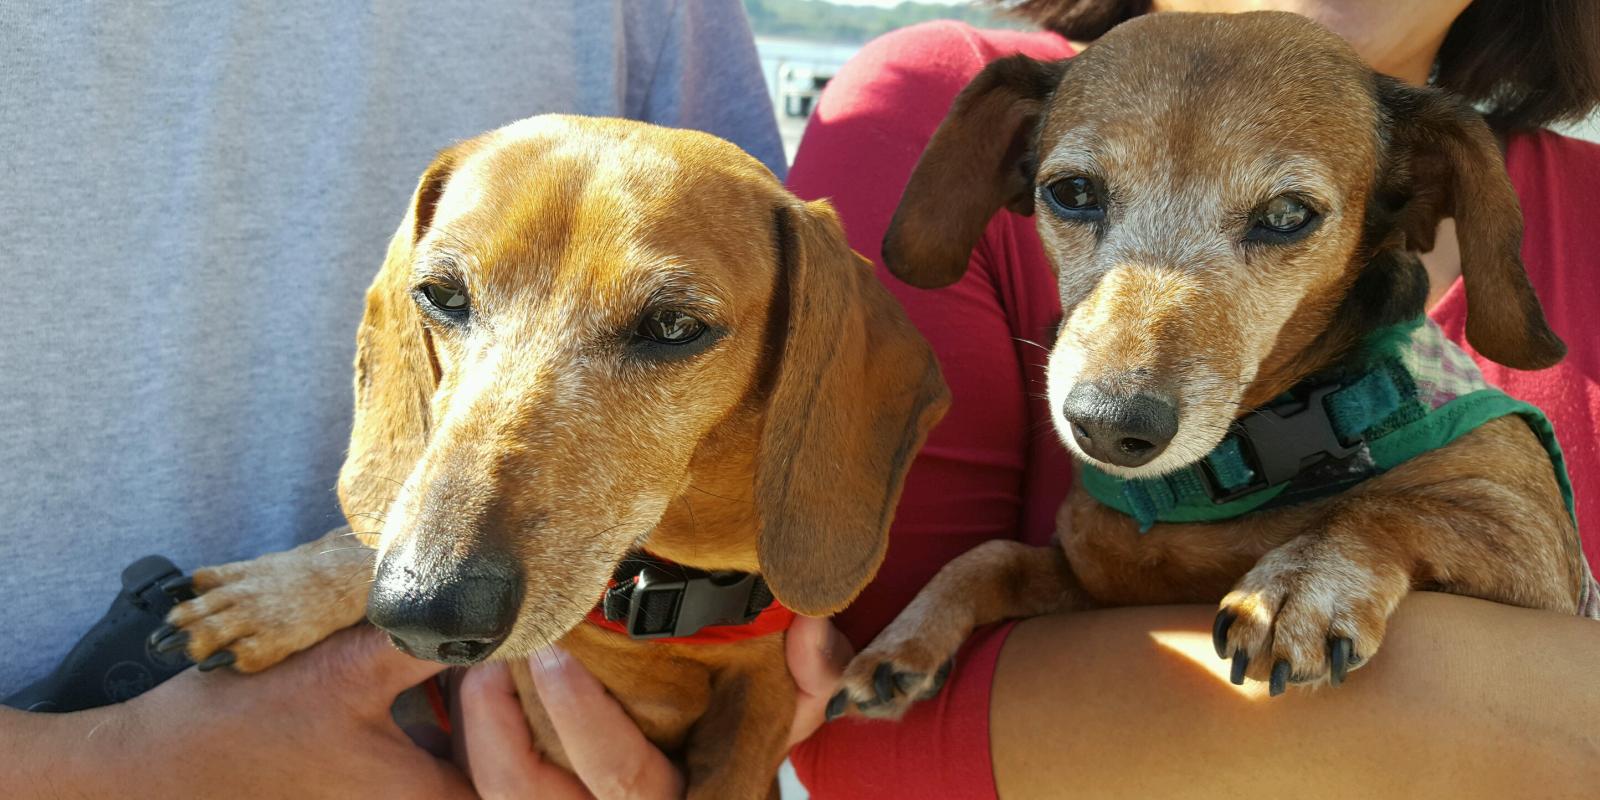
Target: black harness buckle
(1279, 442)
(670, 601)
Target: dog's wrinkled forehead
(1215, 92)
(559, 200)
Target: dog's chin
(536, 631)
(545, 619)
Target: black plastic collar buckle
(661, 604)
(1281, 441)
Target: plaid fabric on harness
(1440, 371)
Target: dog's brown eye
(1075, 194)
(667, 326)
(446, 297)
(1282, 220)
(1284, 214)
(1076, 199)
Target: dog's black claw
(905, 682)
(1339, 660)
(181, 587)
(1219, 631)
(176, 641)
(883, 682)
(1280, 678)
(836, 706)
(221, 658)
(1241, 662)
(166, 629)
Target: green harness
(1418, 392)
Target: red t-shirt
(993, 468)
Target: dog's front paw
(254, 614)
(884, 685)
(1307, 613)
(909, 662)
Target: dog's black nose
(1128, 431)
(453, 613)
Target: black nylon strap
(760, 597)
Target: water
(821, 58)
(777, 52)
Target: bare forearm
(1467, 699)
(53, 755)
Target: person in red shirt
(1468, 698)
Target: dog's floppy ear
(978, 160)
(851, 392)
(395, 370)
(1444, 161)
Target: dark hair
(1526, 63)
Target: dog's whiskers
(718, 496)
(331, 551)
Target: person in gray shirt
(197, 194)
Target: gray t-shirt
(196, 194)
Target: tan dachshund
(593, 340)
(1232, 205)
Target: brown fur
(1190, 122)
(779, 448)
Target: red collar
(671, 603)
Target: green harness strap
(1379, 418)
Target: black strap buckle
(670, 601)
(1281, 441)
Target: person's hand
(609, 754)
(317, 725)
(817, 653)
